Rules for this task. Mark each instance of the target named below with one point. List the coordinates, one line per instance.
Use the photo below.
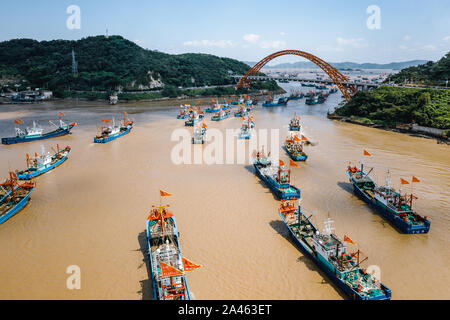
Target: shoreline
(182, 99)
(439, 140)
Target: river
(91, 211)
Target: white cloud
(407, 37)
(209, 43)
(350, 42)
(251, 37)
(446, 39)
(429, 47)
(273, 44)
(402, 47)
(282, 33)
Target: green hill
(107, 62)
(430, 73)
(393, 105)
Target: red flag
(292, 163)
(164, 194)
(403, 181)
(61, 114)
(106, 121)
(304, 138)
(189, 265)
(169, 271)
(282, 163)
(366, 153)
(414, 179)
(348, 239)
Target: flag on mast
(164, 194)
(414, 179)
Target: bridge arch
(338, 78)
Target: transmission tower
(74, 65)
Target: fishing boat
(14, 196)
(332, 256)
(37, 133)
(194, 117)
(43, 163)
(247, 128)
(276, 178)
(184, 112)
(312, 99)
(270, 102)
(241, 111)
(294, 124)
(392, 205)
(199, 134)
(333, 90)
(113, 131)
(222, 114)
(294, 147)
(214, 108)
(168, 266)
(296, 96)
(322, 97)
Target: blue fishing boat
(194, 117)
(312, 99)
(222, 114)
(242, 111)
(294, 147)
(270, 102)
(332, 256)
(392, 205)
(112, 132)
(199, 134)
(168, 266)
(296, 96)
(294, 124)
(247, 128)
(13, 196)
(37, 133)
(43, 163)
(276, 178)
(184, 112)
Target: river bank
(439, 139)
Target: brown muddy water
(91, 211)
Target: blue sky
(247, 29)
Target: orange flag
(366, 153)
(213, 100)
(169, 271)
(297, 138)
(292, 163)
(189, 265)
(403, 181)
(414, 179)
(164, 194)
(61, 114)
(204, 125)
(282, 163)
(304, 138)
(106, 121)
(348, 239)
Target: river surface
(91, 211)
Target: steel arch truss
(338, 78)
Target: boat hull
(56, 133)
(353, 294)
(276, 189)
(274, 104)
(386, 213)
(294, 128)
(108, 139)
(182, 117)
(17, 208)
(220, 118)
